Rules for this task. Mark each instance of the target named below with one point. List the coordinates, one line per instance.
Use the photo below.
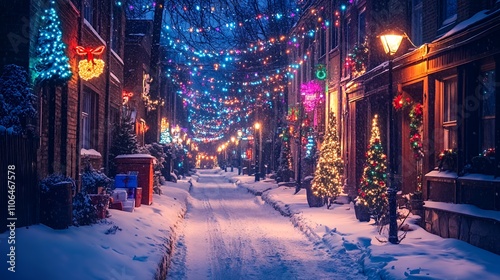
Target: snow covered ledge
(464, 222)
(93, 154)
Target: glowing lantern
(90, 67)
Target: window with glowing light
(449, 117)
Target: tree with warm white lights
(373, 187)
(51, 61)
(285, 159)
(327, 180)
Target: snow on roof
(135, 156)
(444, 174)
(468, 22)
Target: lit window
(450, 113)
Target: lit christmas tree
(285, 159)
(373, 187)
(327, 180)
(51, 60)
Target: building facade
(441, 84)
(75, 118)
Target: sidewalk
(125, 246)
(419, 255)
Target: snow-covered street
(229, 233)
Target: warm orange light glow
(391, 43)
(90, 69)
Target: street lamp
(224, 146)
(258, 155)
(391, 44)
(240, 133)
(232, 141)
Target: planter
(101, 203)
(362, 213)
(312, 200)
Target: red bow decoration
(89, 52)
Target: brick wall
(430, 15)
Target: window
(486, 91)
(322, 42)
(448, 11)
(90, 13)
(116, 22)
(89, 117)
(88, 10)
(416, 22)
(333, 36)
(449, 117)
(361, 26)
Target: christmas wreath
(416, 119)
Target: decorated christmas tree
(51, 61)
(373, 187)
(285, 159)
(124, 142)
(327, 180)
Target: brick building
(451, 72)
(77, 117)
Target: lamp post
(257, 155)
(391, 44)
(240, 133)
(298, 186)
(232, 141)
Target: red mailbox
(143, 165)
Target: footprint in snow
(140, 258)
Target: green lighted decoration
(320, 72)
(52, 63)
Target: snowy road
(231, 234)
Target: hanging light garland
(416, 115)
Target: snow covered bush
(17, 102)
(50, 181)
(92, 179)
(84, 212)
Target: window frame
(449, 125)
(416, 22)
